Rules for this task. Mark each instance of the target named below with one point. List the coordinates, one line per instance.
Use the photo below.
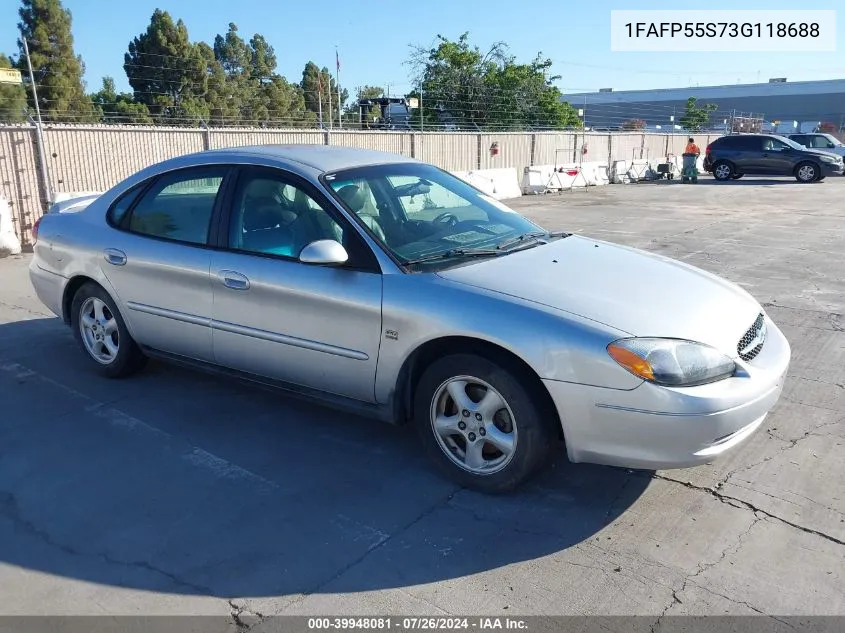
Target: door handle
(234, 280)
(114, 256)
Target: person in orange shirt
(692, 148)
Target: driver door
(309, 325)
(777, 157)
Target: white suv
(816, 140)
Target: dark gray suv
(733, 156)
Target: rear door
(158, 259)
(748, 152)
(310, 325)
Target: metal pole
(39, 138)
(320, 99)
(422, 120)
(330, 103)
(339, 104)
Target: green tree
(118, 108)
(254, 93)
(223, 107)
(167, 72)
(316, 85)
(235, 57)
(58, 72)
(488, 89)
(12, 97)
(263, 59)
(696, 118)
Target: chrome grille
(752, 342)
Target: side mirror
(831, 144)
(324, 253)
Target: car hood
(820, 152)
(640, 293)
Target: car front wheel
(722, 170)
(101, 332)
(483, 426)
(807, 172)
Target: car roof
(323, 158)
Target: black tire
(129, 358)
(536, 429)
(737, 176)
(719, 173)
(807, 171)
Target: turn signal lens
(671, 362)
(630, 361)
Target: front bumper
(657, 427)
(830, 169)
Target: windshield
(791, 143)
(420, 212)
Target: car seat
(266, 229)
(355, 198)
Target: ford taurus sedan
(388, 287)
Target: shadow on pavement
(180, 482)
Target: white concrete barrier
(10, 243)
(640, 169)
(540, 178)
(500, 184)
(595, 172)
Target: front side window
(271, 216)
(821, 142)
(179, 206)
(417, 211)
(774, 145)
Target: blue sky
(373, 38)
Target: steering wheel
(446, 218)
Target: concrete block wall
(94, 158)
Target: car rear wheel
(101, 332)
(484, 428)
(807, 172)
(722, 170)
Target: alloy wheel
(100, 333)
(473, 425)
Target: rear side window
(117, 212)
(739, 142)
(749, 143)
(179, 206)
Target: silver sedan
(388, 287)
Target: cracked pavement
(180, 493)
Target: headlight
(671, 362)
(830, 159)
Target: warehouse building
(778, 102)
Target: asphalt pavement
(179, 493)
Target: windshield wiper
(519, 239)
(457, 252)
